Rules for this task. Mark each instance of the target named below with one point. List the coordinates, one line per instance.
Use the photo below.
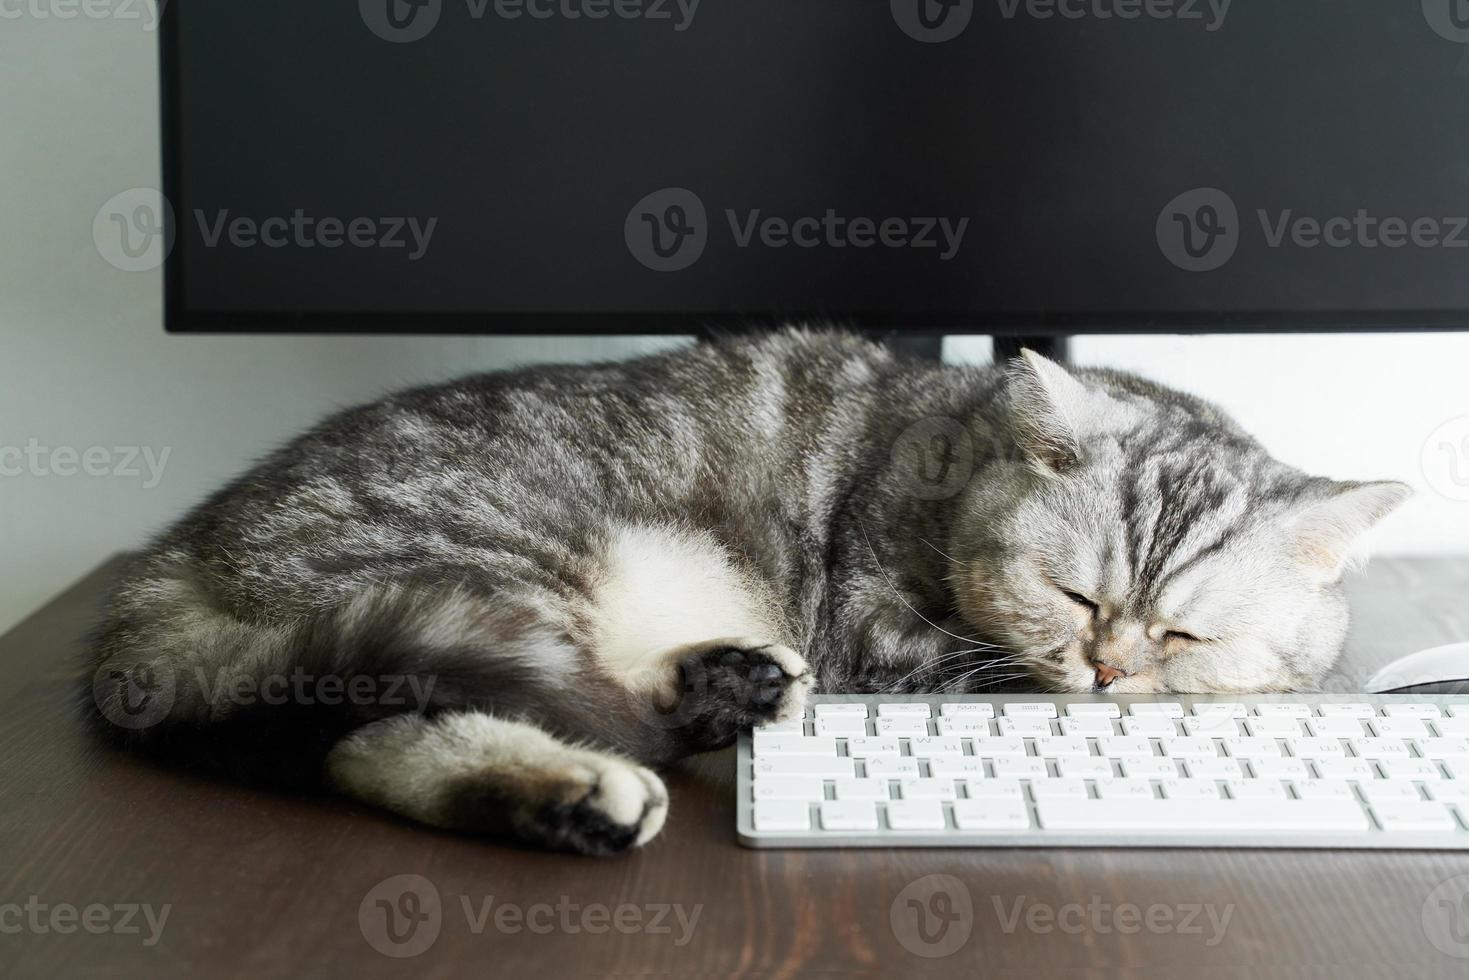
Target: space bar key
(1200, 815)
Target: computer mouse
(1440, 670)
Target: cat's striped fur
(586, 571)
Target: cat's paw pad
(599, 805)
(757, 682)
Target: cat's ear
(1046, 406)
(1326, 532)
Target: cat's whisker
(901, 598)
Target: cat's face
(1141, 543)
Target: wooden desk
(267, 885)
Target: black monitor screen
(587, 165)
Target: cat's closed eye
(1081, 600)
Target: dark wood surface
(257, 884)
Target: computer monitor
(1005, 166)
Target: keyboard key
(927, 789)
(929, 746)
(1411, 710)
(1201, 816)
(782, 815)
(1189, 747)
(991, 814)
(1379, 790)
(1282, 710)
(1125, 746)
(1084, 725)
(1058, 789)
(1027, 768)
(795, 727)
(1085, 767)
(841, 725)
(967, 709)
(1215, 768)
(1324, 789)
(1168, 709)
(994, 789)
(789, 788)
(866, 746)
(1444, 748)
(906, 709)
(915, 815)
(1420, 769)
(1024, 725)
(1085, 709)
(891, 767)
(1459, 710)
(1255, 789)
(1354, 709)
(1452, 726)
(1399, 728)
(861, 789)
(956, 766)
(1189, 789)
(1410, 816)
(1030, 709)
(1277, 768)
(1217, 709)
(845, 709)
(1213, 725)
(1379, 748)
(848, 815)
(1273, 726)
(1148, 726)
(1335, 727)
(1344, 769)
(1448, 790)
(1316, 748)
(997, 747)
(1057, 746)
(1154, 768)
(963, 725)
(1125, 789)
(803, 765)
(1251, 747)
(772, 745)
(901, 725)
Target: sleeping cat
(496, 605)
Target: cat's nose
(1106, 674)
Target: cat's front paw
(740, 683)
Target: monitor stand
(931, 346)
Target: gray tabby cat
(580, 572)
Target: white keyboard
(1364, 771)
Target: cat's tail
(176, 677)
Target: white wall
(84, 361)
